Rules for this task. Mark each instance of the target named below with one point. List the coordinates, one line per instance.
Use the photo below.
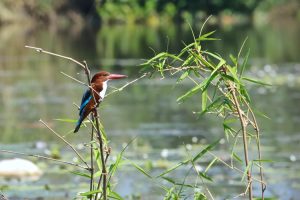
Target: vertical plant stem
(92, 163)
(99, 181)
(99, 136)
(263, 186)
(257, 132)
(244, 132)
(104, 171)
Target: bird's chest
(100, 90)
(103, 91)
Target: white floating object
(164, 153)
(19, 168)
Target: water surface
(32, 88)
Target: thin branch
(244, 132)
(65, 141)
(127, 84)
(40, 50)
(71, 77)
(44, 157)
(92, 163)
(257, 131)
(99, 181)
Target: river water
(32, 87)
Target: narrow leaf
(204, 100)
(81, 174)
(90, 193)
(256, 81)
(140, 169)
(183, 76)
(114, 195)
(245, 61)
(236, 157)
(66, 120)
(210, 164)
(204, 151)
(246, 170)
(203, 175)
(173, 168)
(204, 36)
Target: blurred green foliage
(137, 11)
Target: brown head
(104, 76)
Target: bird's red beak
(116, 76)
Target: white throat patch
(102, 93)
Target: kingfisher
(90, 100)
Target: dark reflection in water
(32, 88)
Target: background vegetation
(95, 12)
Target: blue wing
(85, 100)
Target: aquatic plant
(222, 86)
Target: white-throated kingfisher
(90, 100)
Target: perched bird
(90, 101)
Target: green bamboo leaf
(210, 164)
(97, 174)
(204, 100)
(246, 170)
(204, 151)
(245, 94)
(236, 157)
(103, 133)
(170, 180)
(66, 120)
(114, 166)
(183, 76)
(216, 103)
(213, 55)
(245, 61)
(173, 168)
(203, 175)
(81, 174)
(233, 73)
(261, 114)
(213, 75)
(190, 92)
(204, 36)
(233, 59)
(202, 60)
(84, 194)
(114, 195)
(263, 160)
(227, 77)
(209, 39)
(256, 81)
(176, 58)
(188, 61)
(140, 169)
(185, 49)
(199, 196)
(228, 130)
(97, 157)
(158, 56)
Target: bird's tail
(78, 124)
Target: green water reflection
(32, 88)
